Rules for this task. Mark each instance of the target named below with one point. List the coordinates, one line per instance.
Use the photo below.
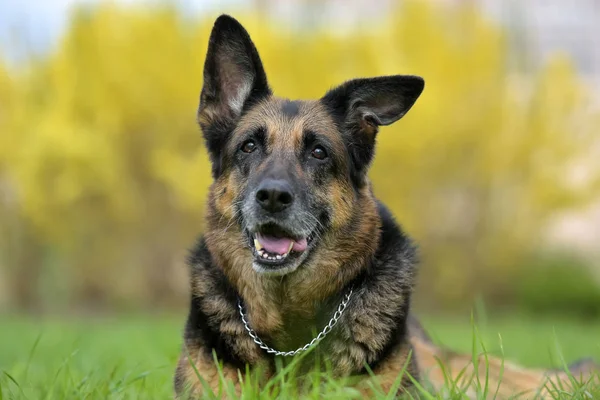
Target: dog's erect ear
(233, 72)
(234, 78)
(372, 102)
(362, 105)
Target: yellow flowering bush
(104, 173)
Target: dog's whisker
(236, 217)
(227, 209)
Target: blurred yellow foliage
(105, 175)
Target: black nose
(274, 195)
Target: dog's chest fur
(370, 329)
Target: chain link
(336, 316)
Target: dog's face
(287, 173)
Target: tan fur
(507, 378)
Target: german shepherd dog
(296, 242)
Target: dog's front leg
(197, 373)
(399, 364)
(350, 358)
(373, 332)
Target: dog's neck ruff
(334, 319)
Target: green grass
(134, 358)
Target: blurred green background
(495, 172)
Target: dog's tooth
(278, 257)
(257, 245)
(265, 255)
(290, 248)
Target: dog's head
(288, 173)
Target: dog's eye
(319, 153)
(249, 146)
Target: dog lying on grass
(296, 242)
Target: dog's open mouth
(273, 246)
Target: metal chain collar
(336, 316)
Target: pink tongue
(300, 245)
(280, 245)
